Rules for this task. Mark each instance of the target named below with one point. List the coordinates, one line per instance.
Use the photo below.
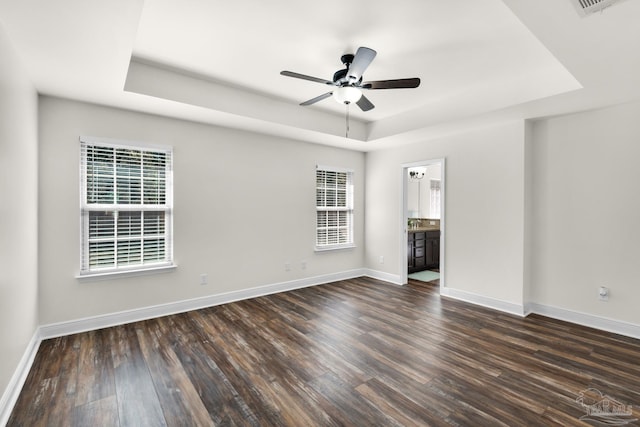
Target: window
(434, 205)
(126, 207)
(334, 208)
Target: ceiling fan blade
(392, 84)
(365, 104)
(317, 98)
(361, 61)
(305, 77)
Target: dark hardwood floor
(357, 352)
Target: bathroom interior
(423, 223)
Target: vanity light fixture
(416, 174)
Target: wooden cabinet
(423, 249)
(432, 249)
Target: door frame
(404, 215)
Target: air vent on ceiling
(587, 7)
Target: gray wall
(484, 209)
(561, 219)
(586, 212)
(244, 206)
(18, 211)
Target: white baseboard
(11, 393)
(381, 275)
(496, 304)
(129, 316)
(605, 324)
(610, 325)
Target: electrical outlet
(603, 293)
(381, 259)
(204, 279)
(287, 266)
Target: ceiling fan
(348, 81)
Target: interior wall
(484, 209)
(18, 211)
(244, 206)
(585, 212)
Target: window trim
(350, 208)
(127, 270)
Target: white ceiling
(480, 61)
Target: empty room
(357, 213)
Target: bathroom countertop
(421, 229)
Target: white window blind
(126, 206)
(434, 205)
(334, 208)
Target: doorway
(423, 221)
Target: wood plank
(49, 391)
(178, 397)
(402, 409)
(347, 405)
(102, 412)
(95, 368)
(214, 373)
(138, 403)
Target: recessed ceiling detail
(479, 61)
(472, 58)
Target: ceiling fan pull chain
(347, 131)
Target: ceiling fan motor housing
(340, 77)
(347, 59)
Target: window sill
(118, 274)
(334, 247)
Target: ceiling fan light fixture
(347, 94)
